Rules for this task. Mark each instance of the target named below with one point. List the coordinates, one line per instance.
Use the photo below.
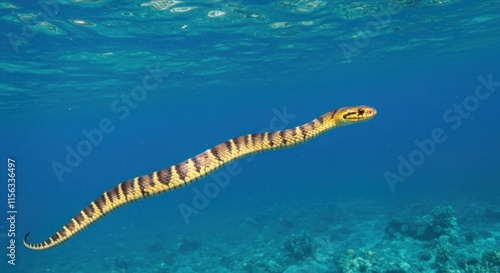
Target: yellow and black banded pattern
(194, 168)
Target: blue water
(154, 83)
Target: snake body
(194, 168)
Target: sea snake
(194, 168)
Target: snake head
(355, 114)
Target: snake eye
(361, 111)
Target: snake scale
(194, 168)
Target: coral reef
(490, 263)
(443, 250)
(428, 227)
(481, 268)
(427, 241)
(364, 261)
(261, 263)
(298, 246)
(351, 261)
(492, 258)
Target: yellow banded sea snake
(188, 171)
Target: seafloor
(386, 235)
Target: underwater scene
(250, 136)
